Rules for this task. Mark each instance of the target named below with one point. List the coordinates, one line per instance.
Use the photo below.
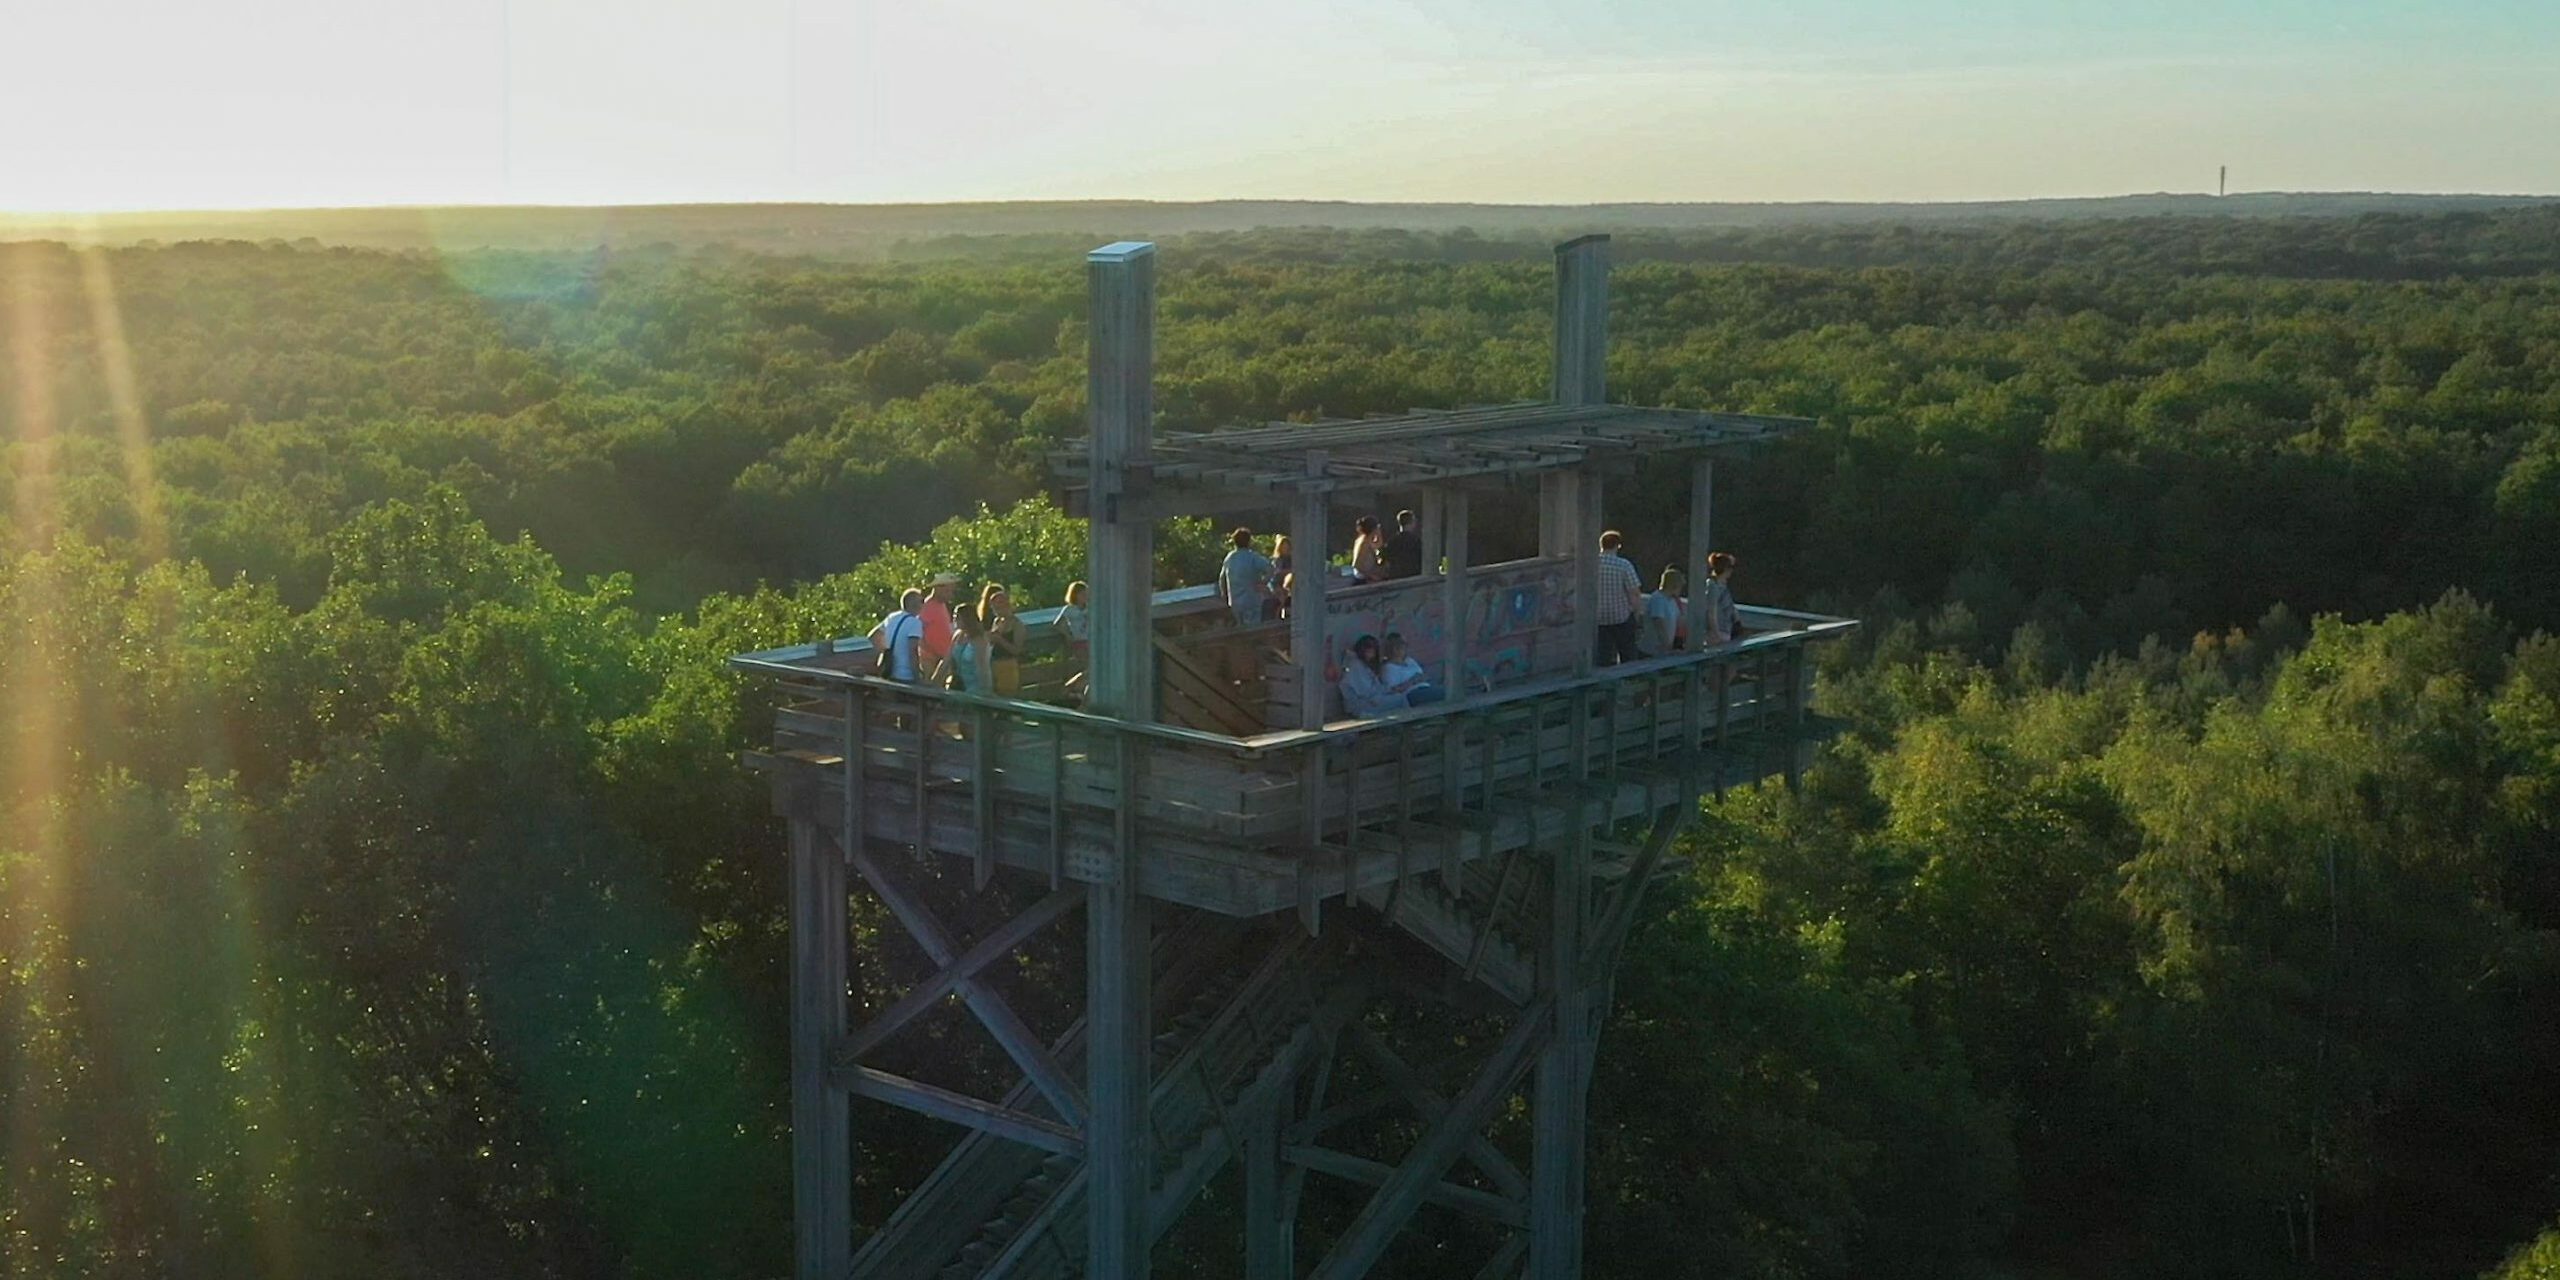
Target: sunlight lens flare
(133, 430)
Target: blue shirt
(1244, 578)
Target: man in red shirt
(937, 619)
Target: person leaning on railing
(937, 616)
(969, 669)
(1244, 580)
(1662, 612)
(1403, 555)
(1075, 626)
(1006, 637)
(1724, 619)
(1368, 552)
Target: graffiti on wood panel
(1509, 609)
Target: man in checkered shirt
(1621, 600)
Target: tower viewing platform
(1280, 900)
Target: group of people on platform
(973, 647)
(1257, 587)
(1635, 624)
(938, 638)
(1632, 624)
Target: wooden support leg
(1556, 1157)
(1117, 1129)
(1270, 1225)
(821, 1113)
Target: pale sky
(134, 104)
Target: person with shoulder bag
(899, 639)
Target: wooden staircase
(1235, 1026)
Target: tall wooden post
(1556, 1165)
(1119, 1155)
(1432, 521)
(1557, 524)
(1120, 542)
(821, 1114)
(1454, 595)
(1120, 553)
(1307, 535)
(1569, 522)
(1582, 321)
(1562, 1084)
(1588, 519)
(1702, 508)
(1270, 1226)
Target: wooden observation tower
(1341, 980)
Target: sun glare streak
(32, 713)
(133, 431)
(34, 511)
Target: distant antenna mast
(2222, 185)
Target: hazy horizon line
(784, 203)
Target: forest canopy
(2179, 896)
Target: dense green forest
(2181, 895)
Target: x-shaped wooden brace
(958, 973)
(1457, 1130)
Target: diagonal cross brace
(999, 1018)
(960, 1109)
(1387, 1211)
(1620, 914)
(1418, 1094)
(929, 992)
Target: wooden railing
(1223, 816)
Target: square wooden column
(1120, 556)
(1571, 501)
(1588, 519)
(1454, 595)
(1432, 517)
(1119, 1146)
(1582, 321)
(1308, 517)
(821, 1114)
(1702, 509)
(1120, 540)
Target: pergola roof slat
(1426, 446)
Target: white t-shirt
(900, 633)
(1396, 673)
(1072, 623)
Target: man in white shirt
(1621, 598)
(901, 636)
